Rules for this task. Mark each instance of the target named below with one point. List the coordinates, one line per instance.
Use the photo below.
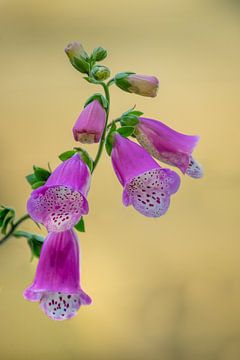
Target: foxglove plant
(59, 198)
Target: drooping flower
(169, 146)
(147, 186)
(144, 85)
(90, 124)
(60, 203)
(57, 281)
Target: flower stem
(102, 141)
(14, 226)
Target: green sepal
(102, 100)
(31, 179)
(129, 120)
(7, 216)
(35, 241)
(137, 113)
(37, 184)
(3, 213)
(110, 138)
(91, 80)
(41, 174)
(86, 158)
(81, 65)
(98, 54)
(121, 81)
(80, 226)
(67, 155)
(126, 130)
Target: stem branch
(14, 226)
(102, 141)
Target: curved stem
(14, 226)
(102, 141)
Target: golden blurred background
(166, 288)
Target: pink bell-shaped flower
(147, 186)
(90, 124)
(57, 281)
(169, 146)
(61, 201)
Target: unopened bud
(138, 84)
(99, 54)
(100, 72)
(75, 50)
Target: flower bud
(78, 57)
(100, 72)
(138, 84)
(99, 54)
(75, 50)
(90, 124)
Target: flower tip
(195, 169)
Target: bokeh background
(163, 289)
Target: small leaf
(67, 155)
(80, 226)
(31, 179)
(37, 184)
(126, 131)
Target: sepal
(101, 99)
(7, 216)
(80, 226)
(110, 139)
(35, 241)
(38, 178)
(121, 81)
(85, 157)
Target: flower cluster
(59, 198)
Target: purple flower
(60, 203)
(147, 186)
(57, 281)
(144, 85)
(169, 146)
(90, 124)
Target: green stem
(102, 141)
(14, 226)
(112, 122)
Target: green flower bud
(100, 72)
(78, 57)
(99, 54)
